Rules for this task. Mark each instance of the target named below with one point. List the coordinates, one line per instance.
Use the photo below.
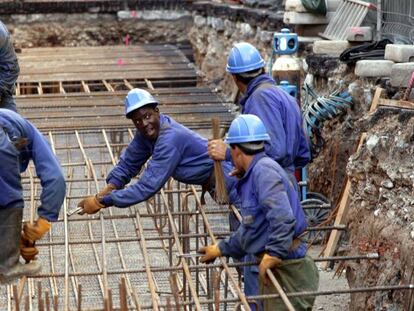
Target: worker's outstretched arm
(53, 192)
(160, 168)
(130, 162)
(50, 174)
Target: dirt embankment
(381, 215)
(341, 134)
(46, 30)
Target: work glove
(268, 262)
(90, 205)
(106, 190)
(211, 253)
(37, 230)
(27, 249)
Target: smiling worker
(175, 151)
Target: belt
(295, 244)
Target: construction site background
(381, 215)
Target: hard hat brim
(242, 69)
(140, 105)
(246, 139)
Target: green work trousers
(294, 275)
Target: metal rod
(154, 296)
(222, 259)
(280, 290)
(180, 250)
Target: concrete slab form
(70, 88)
(138, 258)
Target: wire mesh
(397, 20)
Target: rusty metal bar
(222, 259)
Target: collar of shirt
(263, 78)
(256, 159)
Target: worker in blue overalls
(171, 150)
(21, 142)
(9, 69)
(278, 111)
(280, 114)
(272, 217)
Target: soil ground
(327, 281)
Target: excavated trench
(381, 216)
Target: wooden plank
(108, 86)
(33, 62)
(152, 75)
(85, 87)
(99, 49)
(340, 216)
(149, 84)
(396, 104)
(127, 84)
(39, 88)
(80, 69)
(375, 100)
(61, 88)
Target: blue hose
(317, 109)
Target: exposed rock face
(212, 39)
(381, 215)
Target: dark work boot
(10, 232)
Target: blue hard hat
(246, 128)
(244, 57)
(137, 98)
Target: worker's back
(282, 118)
(9, 69)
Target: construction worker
(21, 142)
(272, 217)
(278, 110)
(280, 114)
(9, 69)
(175, 151)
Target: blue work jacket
(178, 152)
(9, 69)
(281, 116)
(271, 212)
(13, 161)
